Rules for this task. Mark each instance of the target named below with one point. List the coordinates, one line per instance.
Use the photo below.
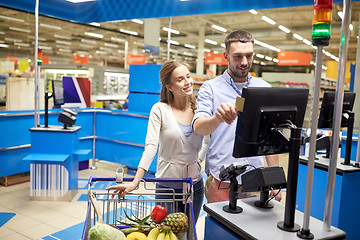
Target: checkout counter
(257, 223)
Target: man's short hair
(238, 36)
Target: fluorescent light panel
(297, 36)
(284, 29)
(173, 42)
(50, 26)
(62, 37)
(211, 41)
(63, 42)
(97, 35)
(88, 41)
(138, 21)
(129, 32)
(219, 28)
(117, 39)
(189, 46)
(20, 29)
(12, 19)
(171, 30)
(268, 20)
(95, 24)
(253, 11)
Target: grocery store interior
(105, 56)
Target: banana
(161, 236)
(172, 235)
(167, 235)
(154, 233)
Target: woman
(170, 133)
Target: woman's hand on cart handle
(122, 189)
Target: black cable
(267, 201)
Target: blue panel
(319, 193)
(349, 210)
(144, 78)
(215, 230)
(122, 127)
(142, 102)
(353, 148)
(15, 129)
(108, 10)
(11, 162)
(121, 153)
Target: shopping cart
(139, 203)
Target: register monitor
(57, 93)
(265, 111)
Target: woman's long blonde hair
(166, 70)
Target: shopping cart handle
(97, 179)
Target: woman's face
(181, 83)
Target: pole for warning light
(344, 40)
(37, 69)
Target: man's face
(239, 58)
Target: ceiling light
(188, 54)
(189, 46)
(12, 19)
(262, 63)
(268, 20)
(307, 42)
(62, 42)
(2, 33)
(64, 50)
(45, 48)
(323, 67)
(111, 45)
(97, 35)
(219, 28)
(13, 40)
(171, 30)
(297, 36)
(101, 52)
(275, 60)
(117, 39)
(253, 11)
(137, 21)
(207, 50)
(129, 32)
(20, 29)
(106, 49)
(50, 26)
(121, 51)
(211, 41)
(351, 27)
(340, 14)
(268, 58)
(284, 29)
(82, 53)
(259, 55)
(62, 37)
(4, 45)
(88, 41)
(223, 45)
(173, 42)
(95, 24)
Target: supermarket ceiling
(60, 38)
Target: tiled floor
(52, 220)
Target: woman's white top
(178, 156)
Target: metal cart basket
(140, 202)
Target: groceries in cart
(141, 214)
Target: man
(216, 113)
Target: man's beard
(239, 75)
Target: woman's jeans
(180, 206)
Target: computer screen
(327, 109)
(265, 111)
(58, 92)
